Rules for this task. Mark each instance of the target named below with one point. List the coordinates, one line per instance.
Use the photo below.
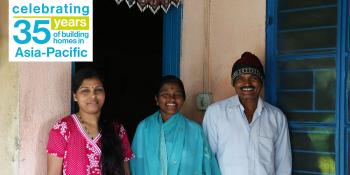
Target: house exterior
(304, 46)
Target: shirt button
(174, 162)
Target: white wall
(9, 107)
(44, 95)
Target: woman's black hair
(112, 159)
(171, 79)
(85, 73)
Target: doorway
(133, 39)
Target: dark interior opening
(128, 51)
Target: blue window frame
(307, 63)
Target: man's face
(247, 86)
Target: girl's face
(170, 100)
(90, 96)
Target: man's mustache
(243, 87)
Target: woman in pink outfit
(86, 143)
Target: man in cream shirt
(248, 135)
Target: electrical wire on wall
(205, 97)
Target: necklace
(84, 126)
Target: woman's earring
(156, 100)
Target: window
(307, 63)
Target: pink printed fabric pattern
(81, 155)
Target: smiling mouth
(92, 103)
(170, 104)
(247, 88)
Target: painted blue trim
(313, 132)
(347, 151)
(311, 111)
(295, 90)
(294, 124)
(303, 29)
(172, 41)
(310, 172)
(341, 90)
(308, 56)
(271, 52)
(313, 152)
(307, 8)
(297, 52)
(72, 106)
(341, 52)
(305, 70)
(348, 26)
(314, 89)
(346, 13)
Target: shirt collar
(236, 103)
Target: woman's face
(170, 100)
(90, 96)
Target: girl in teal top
(167, 143)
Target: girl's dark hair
(171, 79)
(85, 73)
(112, 159)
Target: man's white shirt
(261, 147)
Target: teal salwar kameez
(176, 147)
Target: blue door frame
(172, 41)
